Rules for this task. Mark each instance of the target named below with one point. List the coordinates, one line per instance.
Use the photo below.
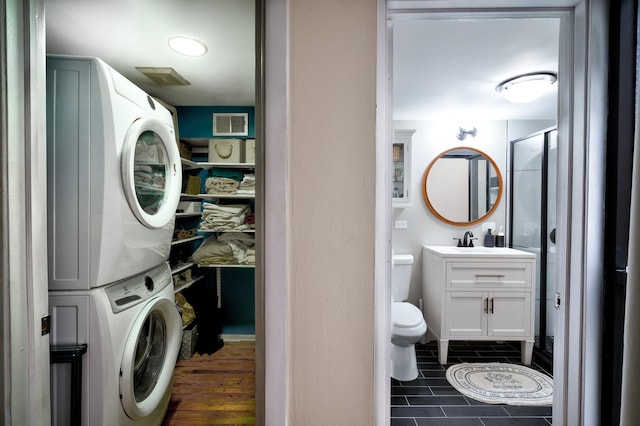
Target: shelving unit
(227, 279)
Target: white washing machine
(114, 175)
(133, 334)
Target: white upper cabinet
(401, 171)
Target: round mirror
(462, 186)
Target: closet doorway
(133, 38)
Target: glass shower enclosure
(532, 219)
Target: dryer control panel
(128, 293)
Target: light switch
(401, 224)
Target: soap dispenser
(488, 239)
(500, 238)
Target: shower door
(532, 211)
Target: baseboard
(238, 337)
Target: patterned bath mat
(500, 383)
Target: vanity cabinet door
(488, 314)
(509, 314)
(466, 316)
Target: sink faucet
(467, 240)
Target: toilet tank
(401, 265)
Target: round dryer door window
(151, 172)
(149, 357)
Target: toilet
(407, 323)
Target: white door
(151, 171)
(149, 358)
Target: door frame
(582, 102)
(23, 292)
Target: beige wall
(332, 88)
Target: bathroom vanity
(479, 293)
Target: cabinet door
(465, 313)
(509, 314)
(401, 173)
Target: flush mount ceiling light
(187, 46)
(527, 87)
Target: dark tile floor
(431, 401)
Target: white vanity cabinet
(479, 293)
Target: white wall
(429, 140)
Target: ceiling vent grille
(226, 124)
(163, 76)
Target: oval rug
(501, 383)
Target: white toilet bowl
(407, 327)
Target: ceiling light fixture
(187, 46)
(527, 87)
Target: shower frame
(542, 355)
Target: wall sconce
(527, 87)
(462, 133)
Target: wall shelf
(194, 165)
(189, 214)
(249, 266)
(187, 284)
(186, 240)
(181, 267)
(249, 231)
(229, 196)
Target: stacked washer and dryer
(114, 180)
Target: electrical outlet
(488, 225)
(401, 224)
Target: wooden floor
(217, 389)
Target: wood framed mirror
(462, 186)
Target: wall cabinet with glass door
(401, 172)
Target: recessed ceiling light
(527, 87)
(187, 46)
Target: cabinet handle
(486, 306)
(491, 305)
(489, 275)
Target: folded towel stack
(221, 185)
(231, 217)
(248, 185)
(231, 182)
(227, 249)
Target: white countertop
(453, 251)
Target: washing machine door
(151, 171)
(149, 358)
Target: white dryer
(133, 334)
(114, 175)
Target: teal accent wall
(237, 284)
(197, 121)
(238, 300)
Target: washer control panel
(128, 293)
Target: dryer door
(151, 171)
(149, 357)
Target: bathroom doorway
(577, 105)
